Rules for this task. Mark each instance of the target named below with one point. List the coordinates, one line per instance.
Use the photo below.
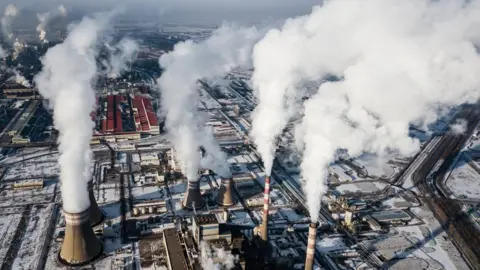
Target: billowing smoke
(88, 168)
(459, 127)
(20, 79)
(8, 16)
(68, 88)
(45, 18)
(227, 48)
(18, 47)
(121, 56)
(398, 63)
(224, 260)
(215, 159)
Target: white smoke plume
(45, 18)
(215, 159)
(20, 79)
(122, 54)
(227, 48)
(398, 63)
(18, 47)
(224, 260)
(459, 127)
(68, 88)
(8, 16)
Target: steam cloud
(121, 56)
(226, 260)
(20, 79)
(68, 88)
(227, 48)
(459, 127)
(45, 18)
(399, 63)
(9, 15)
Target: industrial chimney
(224, 196)
(96, 215)
(266, 202)
(312, 236)
(193, 198)
(80, 245)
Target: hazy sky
(207, 11)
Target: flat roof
(175, 253)
(391, 215)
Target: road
(449, 212)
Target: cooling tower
(193, 198)
(266, 201)
(80, 245)
(225, 196)
(312, 236)
(96, 215)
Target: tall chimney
(80, 245)
(266, 202)
(226, 215)
(96, 215)
(224, 196)
(193, 198)
(312, 236)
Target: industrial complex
(379, 213)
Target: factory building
(124, 117)
(14, 90)
(175, 256)
(28, 184)
(23, 119)
(391, 217)
(207, 227)
(145, 116)
(149, 207)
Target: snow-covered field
(8, 226)
(32, 170)
(11, 197)
(35, 242)
(464, 180)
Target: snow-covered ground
(8, 226)
(464, 180)
(35, 243)
(32, 170)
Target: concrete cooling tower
(96, 215)
(225, 196)
(80, 245)
(193, 198)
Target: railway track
(448, 211)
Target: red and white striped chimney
(312, 236)
(266, 203)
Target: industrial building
(391, 216)
(124, 117)
(175, 255)
(149, 207)
(14, 90)
(28, 184)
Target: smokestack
(96, 215)
(266, 202)
(224, 196)
(80, 245)
(312, 236)
(226, 215)
(193, 198)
